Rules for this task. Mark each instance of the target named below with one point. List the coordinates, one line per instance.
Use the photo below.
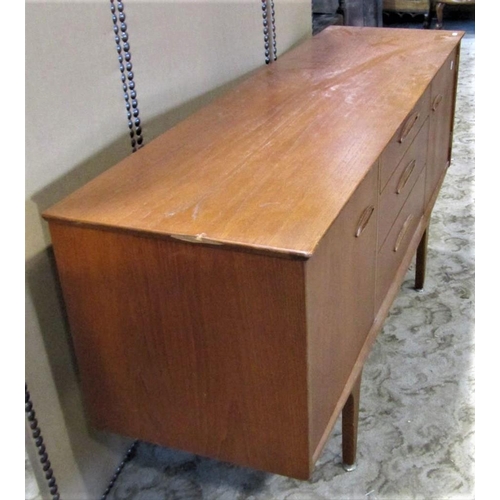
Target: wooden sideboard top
(269, 165)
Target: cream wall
(184, 54)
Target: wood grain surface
(270, 165)
(188, 346)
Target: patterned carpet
(417, 406)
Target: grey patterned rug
(417, 405)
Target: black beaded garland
(266, 31)
(42, 450)
(268, 19)
(123, 49)
(128, 456)
(273, 29)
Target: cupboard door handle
(405, 176)
(364, 219)
(408, 126)
(402, 233)
(437, 100)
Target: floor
(417, 409)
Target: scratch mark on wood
(194, 215)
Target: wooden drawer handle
(405, 176)
(436, 102)
(402, 233)
(364, 219)
(408, 126)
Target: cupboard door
(340, 286)
(441, 125)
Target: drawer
(401, 183)
(403, 137)
(393, 250)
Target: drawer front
(441, 124)
(403, 137)
(401, 183)
(396, 244)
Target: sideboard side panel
(190, 346)
(340, 284)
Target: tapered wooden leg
(350, 416)
(421, 261)
(439, 15)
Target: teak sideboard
(225, 283)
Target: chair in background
(440, 4)
(412, 7)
